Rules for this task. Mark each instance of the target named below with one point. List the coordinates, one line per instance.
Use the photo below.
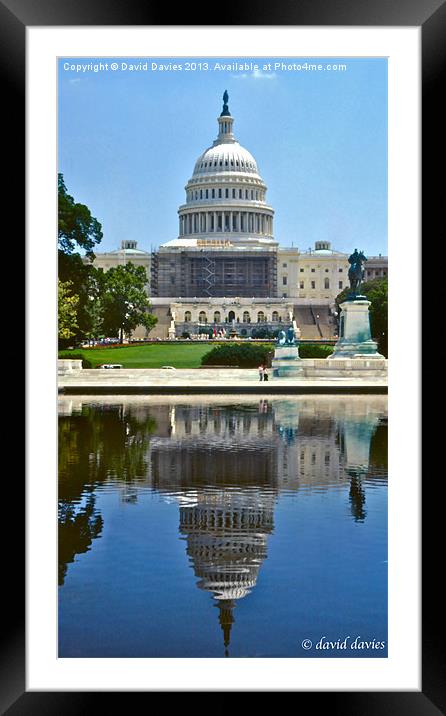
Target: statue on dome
(225, 111)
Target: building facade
(128, 253)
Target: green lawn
(178, 355)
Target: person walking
(261, 372)
(265, 374)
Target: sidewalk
(224, 380)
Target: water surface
(226, 526)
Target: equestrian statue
(356, 271)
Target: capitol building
(226, 270)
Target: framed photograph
(217, 539)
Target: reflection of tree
(101, 443)
(76, 532)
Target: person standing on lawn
(261, 372)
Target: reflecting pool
(223, 527)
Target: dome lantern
(225, 122)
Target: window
(187, 317)
(275, 316)
(340, 270)
(313, 270)
(217, 317)
(246, 317)
(327, 283)
(284, 265)
(202, 318)
(226, 193)
(301, 284)
(313, 284)
(326, 270)
(219, 193)
(340, 284)
(207, 193)
(233, 193)
(213, 193)
(301, 270)
(284, 280)
(260, 317)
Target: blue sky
(128, 142)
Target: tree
(126, 304)
(376, 291)
(94, 308)
(77, 227)
(67, 309)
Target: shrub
(313, 350)
(244, 355)
(76, 356)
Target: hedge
(244, 355)
(313, 350)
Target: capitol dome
(225, 196)
(226, 157)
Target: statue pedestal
(286, 362)
(355, 340)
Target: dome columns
(225, 134)
(225, 221)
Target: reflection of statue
(356, 270)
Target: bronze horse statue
(356, 271)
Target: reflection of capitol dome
(227, 543)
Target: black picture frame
(430, 15)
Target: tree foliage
(126, 304)
(77, 227)
(67, 310)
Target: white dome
(226, 157)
